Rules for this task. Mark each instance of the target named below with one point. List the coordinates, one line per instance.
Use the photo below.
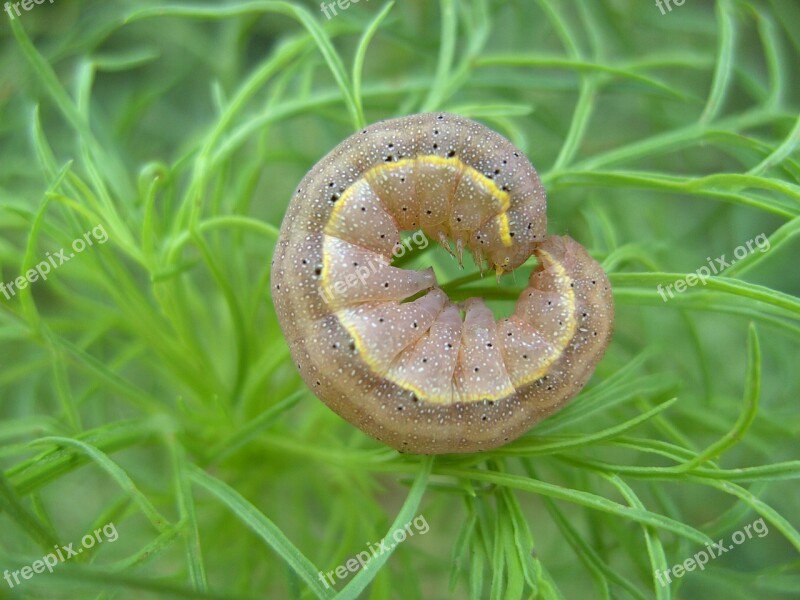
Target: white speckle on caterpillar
(414, 374)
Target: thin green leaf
(264, 528)
(409, 509)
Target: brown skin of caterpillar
(399, 419)
(332, 362)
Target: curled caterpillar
(412, 372)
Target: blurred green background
(145, 382)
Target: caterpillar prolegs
(426, 375)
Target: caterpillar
(384, 347)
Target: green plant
(146, 383)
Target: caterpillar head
(507, 258)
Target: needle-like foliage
(145, 381)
